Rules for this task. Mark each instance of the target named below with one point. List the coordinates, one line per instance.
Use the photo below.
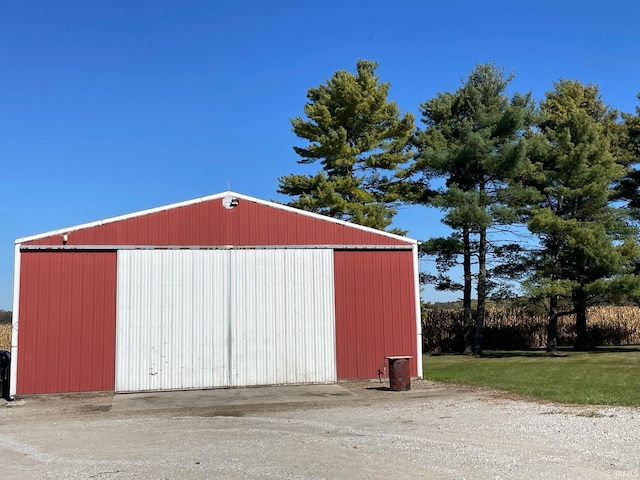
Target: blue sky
(108, 108)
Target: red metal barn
(225, 290)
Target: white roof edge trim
(62, 231)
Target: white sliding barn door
(283, 328)
(171, 330)
(213, 318)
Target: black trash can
(399, 373)
(5, 373)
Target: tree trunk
(580, 306)
(482, 291)
(468, 329)
(552, 326)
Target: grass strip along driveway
(604, 376)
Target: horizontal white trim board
(215, 247)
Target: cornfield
(5, 337)
(516, 328)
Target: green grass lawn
(605, 376)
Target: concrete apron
(225, 397)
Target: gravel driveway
(433, 431)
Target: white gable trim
(208, 198)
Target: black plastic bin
(5, 373)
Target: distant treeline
(5, 317)
(519, 328)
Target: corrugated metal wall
(67, 301)
(375, 311)
(67, 322)
(197, 319)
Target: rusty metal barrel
(399, 373)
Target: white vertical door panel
(172, 320)
(282, 317)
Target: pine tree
(473, 141)
(586, 247)
(628, 190)
(359, 138)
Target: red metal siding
(66, 341)
(375, 311)
(209, 223)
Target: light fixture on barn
(229, 202)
